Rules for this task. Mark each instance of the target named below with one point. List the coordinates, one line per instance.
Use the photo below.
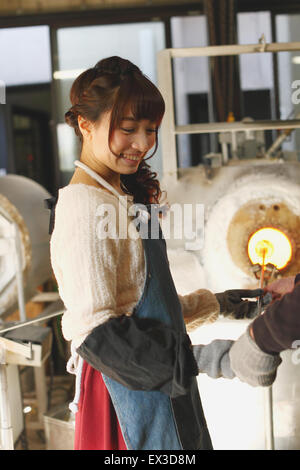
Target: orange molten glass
(270, 245)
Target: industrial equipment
(249, 192)
(24, 266)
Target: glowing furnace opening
(270, 245)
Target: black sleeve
(141, 354)
(279, 326)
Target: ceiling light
(67, 74)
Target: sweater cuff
(198, 308)
(250, 364)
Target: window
(287, 30)
(256, 72)
(25, 55)
(82, 47)
(191, 88)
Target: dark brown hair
(110, 86)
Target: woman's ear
(85, 127)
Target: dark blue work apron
(151, 420)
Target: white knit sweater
(99, 278)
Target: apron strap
(96, 177)
(50, 204)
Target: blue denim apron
(151, 420)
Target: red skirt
(96, 424)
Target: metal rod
(268, 403)
(262, 274)
(233, 49)
(53, 310)
(268, 395)
(19, 272)
(7, 441)
(237, 126)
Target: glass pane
(82, 47)
(25, 55)
(256, 72)
(191, 87)
(287, 30)
(21, 122)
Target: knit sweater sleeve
(199, 307)
(279, 326)
(84, 264)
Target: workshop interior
(229, 72)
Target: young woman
(136, 369)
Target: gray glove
(232, 304)
(213, 358)
(251, 364)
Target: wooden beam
(237, 126)
(17, 348)
(100, 16)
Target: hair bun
(116, 66)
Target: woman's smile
(131, 159)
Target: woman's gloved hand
(232, 303)
(213, 358)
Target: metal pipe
(19, 272)
(268, 404)
(268, 392)
(7, 441)
(281, 138)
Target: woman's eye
(127, 130)
(131, 130)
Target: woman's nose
(141, 142)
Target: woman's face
(129, 144)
